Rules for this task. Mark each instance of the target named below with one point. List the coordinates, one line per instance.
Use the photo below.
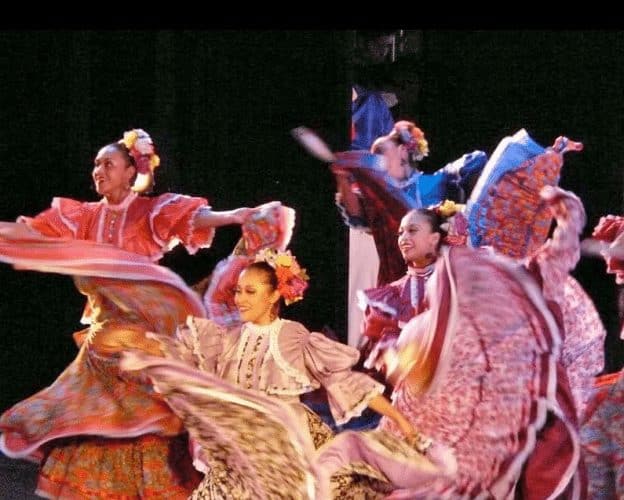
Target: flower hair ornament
(412, 138)
(455, 223)
(292, 279)
(141, 148)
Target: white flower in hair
(144, 144)
(141, 148)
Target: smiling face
(255, 296)
(112, 173)
(417, 241)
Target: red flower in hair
(292, 280)
(413, 138)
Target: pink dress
(489, 376)
(285, 360)
(100, 433)
(237, 390)
(485, 378)
(386, 311)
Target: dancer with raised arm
(98, 433)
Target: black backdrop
(220, 105)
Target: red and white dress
(98, 432)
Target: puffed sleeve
(63, 219)
(172, 222)
(330, 363)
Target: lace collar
(262, 330)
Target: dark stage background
(219, 106)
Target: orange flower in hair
(413, 138)
(292, 279)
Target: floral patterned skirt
(148, 466)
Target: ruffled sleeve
(63, 218)
(172, 222)
(385, 310)
(330, 363)
(380, 311)
(560, 254)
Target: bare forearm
(210, 218)
(382, 405)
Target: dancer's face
(397, 164)
(417, 242)
(255, 298)
(112, 174)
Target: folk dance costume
(96, 431)
(238, 389)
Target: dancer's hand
(408, 430)
(241, 215)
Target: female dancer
(98, 433)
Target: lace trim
(190, 321)
(291, 371)
(191, 247)
(421, 271)
(56, 203)
(125, 203)
(361, 405)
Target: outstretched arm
(207, 217)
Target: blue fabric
(423, 190)
(470, 166)
(433, 188)
(371, 118)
